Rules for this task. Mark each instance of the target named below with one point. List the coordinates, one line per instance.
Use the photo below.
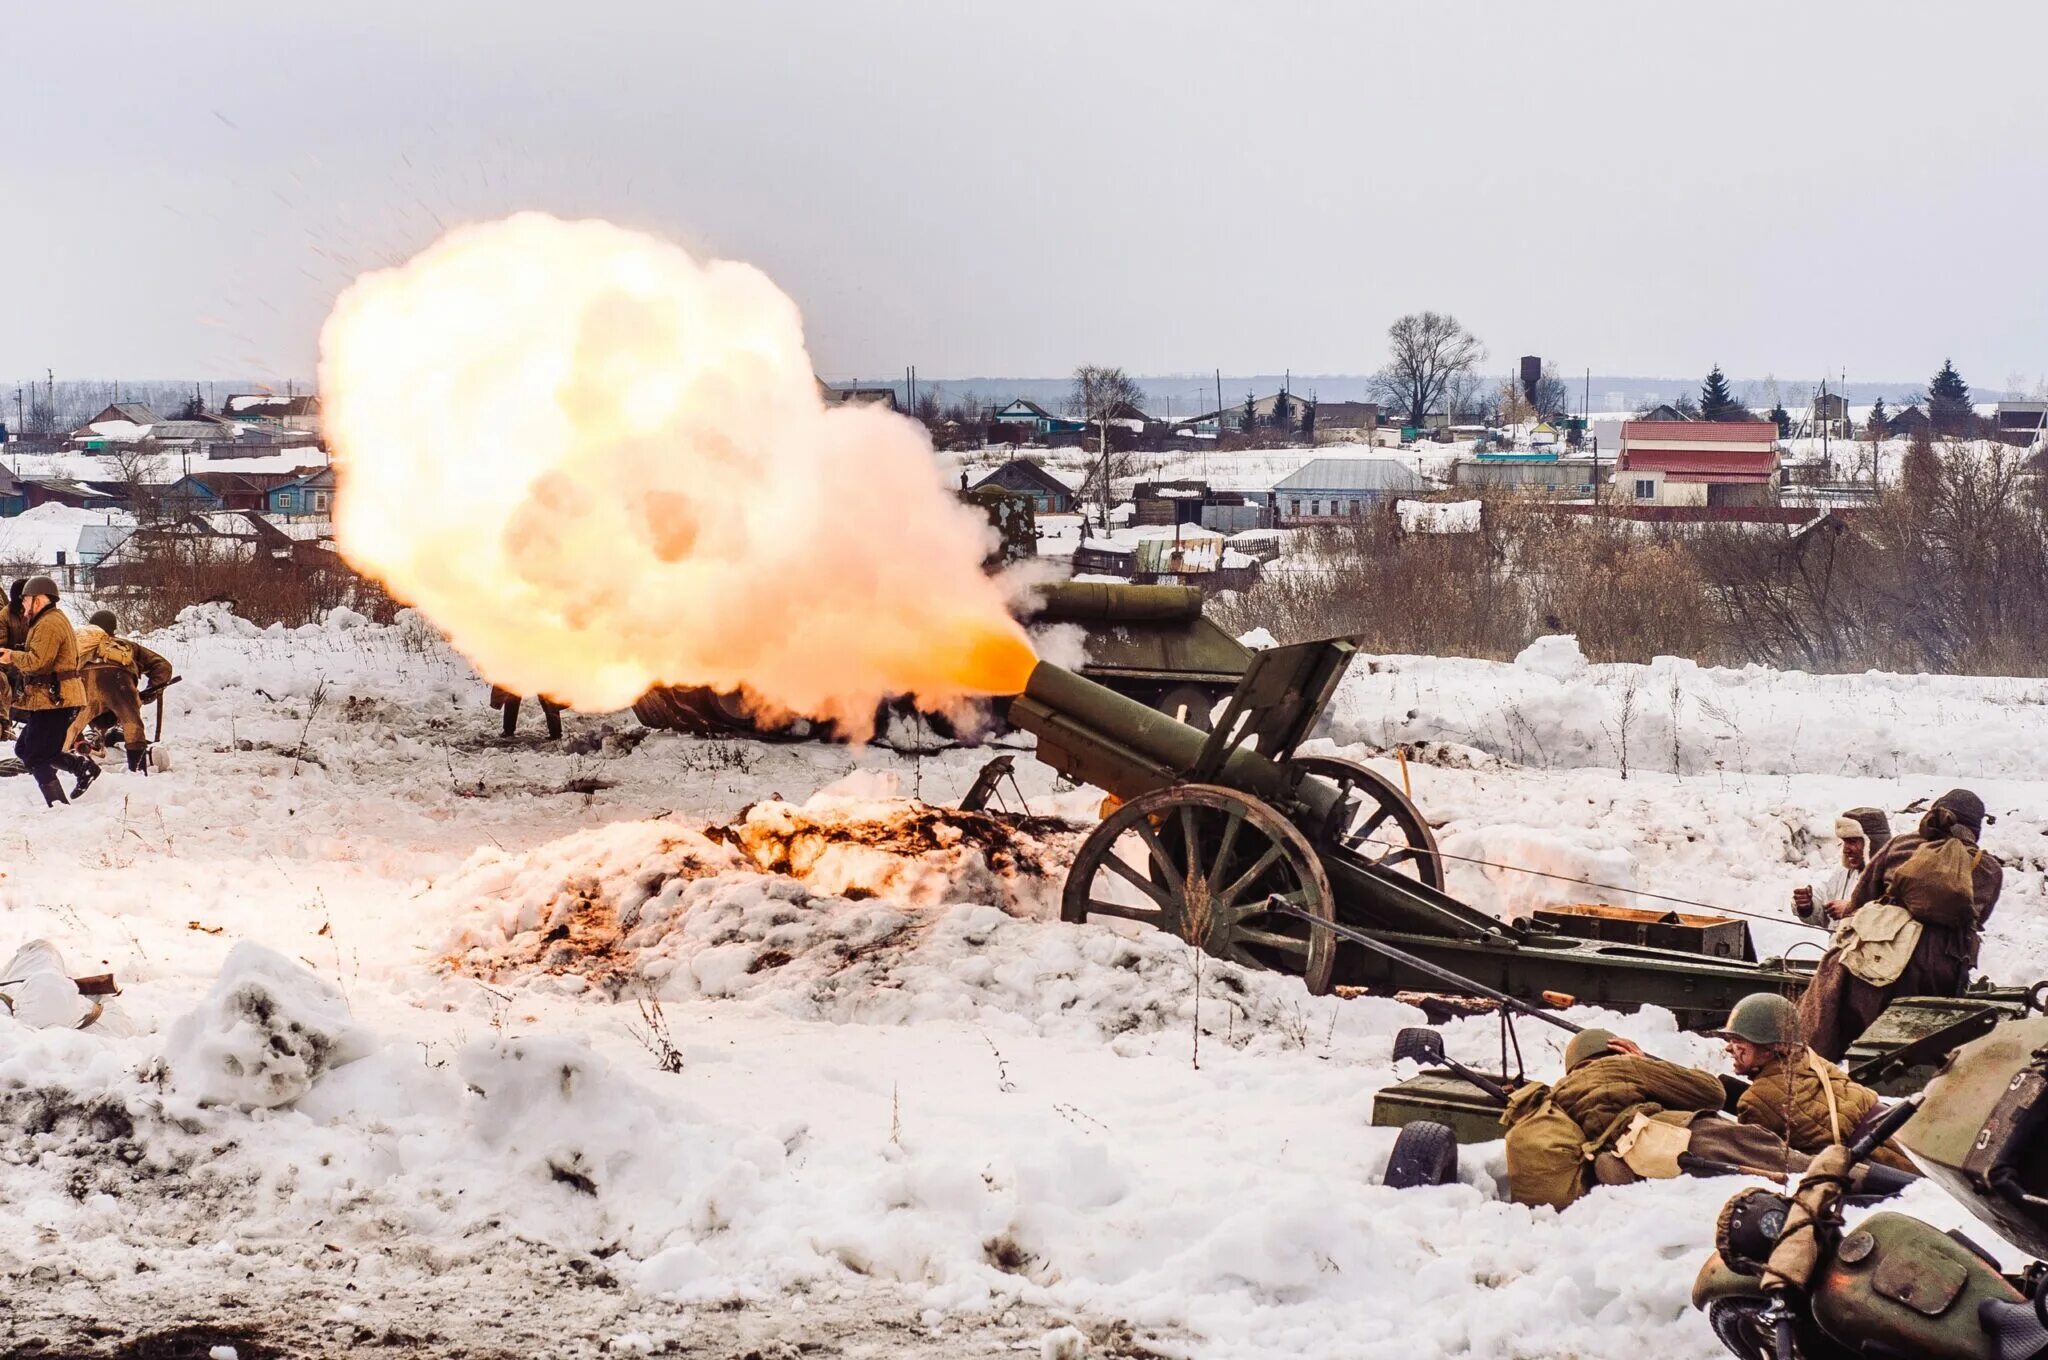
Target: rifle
(158, 695)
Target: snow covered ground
(647, 1043)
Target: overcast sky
(1012, 189)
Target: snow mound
(263, 1035)
(215, 618)
(1557, 656)
(1549, 710)
(534, 1104)
(648, 909)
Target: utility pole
(1824, 423)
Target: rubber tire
(1425, 1153)
(1418, 1042)
(1738, 1324)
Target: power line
(1586, 883)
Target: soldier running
(109, 668)
(51, 693)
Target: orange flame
(597, 465)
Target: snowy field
(431, 1044)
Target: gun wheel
(1375, 821)
(1201, 862)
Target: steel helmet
(1587, 1043)
(1762, 1018)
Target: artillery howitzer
(1211, 829)
(1232, 840)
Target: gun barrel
(1090, 733)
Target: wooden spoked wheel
(1376, 822)
(1201, 862)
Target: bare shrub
(169, 573)
(1947, 572)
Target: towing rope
(1587, 883)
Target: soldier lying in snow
(109, 667)
(1618, 1116)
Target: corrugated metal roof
(1352, 474)
(1702, 431)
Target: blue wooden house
(312, 494)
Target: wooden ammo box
(1712, 937)
(1443, 1098)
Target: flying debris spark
(598, 464)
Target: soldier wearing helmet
(1793, 1091)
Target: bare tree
(1098, 393)
(1430, 354)
(1549, 395)
(139, 469)
(1513, 403)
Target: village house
(2020, 423)
(1330, 490)
(1830, 416)
(124, 424)
(62, 542)
(117, 423)
(1168, 502)
(1028, 417)
(275, 412)
(1698, 463)
(196, 492)
(1542, 474)
(1910, 423)
(1231, 419)
(309, 495)
(66, 492)
(1346, 422)
(1048, 492)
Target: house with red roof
(1698, 462)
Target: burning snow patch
(669, 908)
(913, 853)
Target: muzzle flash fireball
(598, 464)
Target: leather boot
(138, 758)
(46, 780)
(87, 769)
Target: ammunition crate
(1711, 937)
(1443, 1098)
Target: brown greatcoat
(111, 697)
(12, 625)
(1838, 1006)
(48, 661)
(1553, 1136)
